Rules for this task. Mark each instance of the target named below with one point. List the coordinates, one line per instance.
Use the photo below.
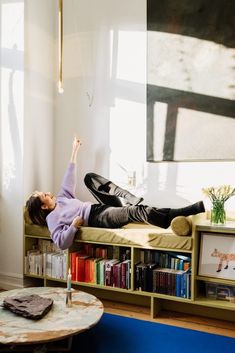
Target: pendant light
(60, 82)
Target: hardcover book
(109, 271)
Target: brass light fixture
(60, 82)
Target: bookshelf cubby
(209, 283)
(166, 265)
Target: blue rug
(118, 334)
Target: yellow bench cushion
(139, 235)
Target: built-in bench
(139, 235)
(179, 239)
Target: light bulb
(60, 88)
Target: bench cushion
(139, 235)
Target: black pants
(103, 216)
(110, 213)
(108, 193)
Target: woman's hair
(36, 213)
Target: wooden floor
(218, 327)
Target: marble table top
(61, 321)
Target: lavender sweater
(68, 207)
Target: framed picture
(217, 256)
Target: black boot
(162, 217)
(108, 193)
(193, 209)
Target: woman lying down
(65, 213)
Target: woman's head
(39, 205)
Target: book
(148, 276)
(109, 271)
(140, 273)
(170, 281)
(128, 274)
(95, 270)
(117, 275)
(80, 268)
(102, 271)
(73, 256)
(125, 274)
(89, 270)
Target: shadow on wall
(11, 149)
(191, 84)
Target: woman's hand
(77, 222)
(76, 145)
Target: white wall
(11, 141)
(27, 118)
(105, 104)
(40, 71)
(98, 95)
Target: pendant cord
(61, 39)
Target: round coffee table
(60, 323)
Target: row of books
(172, 282)
(107, 272)
(166, 259)
(111, 266)
(46, 259)
(46, 246)
(163, 259)
(151, 278)
(105, 251)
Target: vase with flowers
(218, 196)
